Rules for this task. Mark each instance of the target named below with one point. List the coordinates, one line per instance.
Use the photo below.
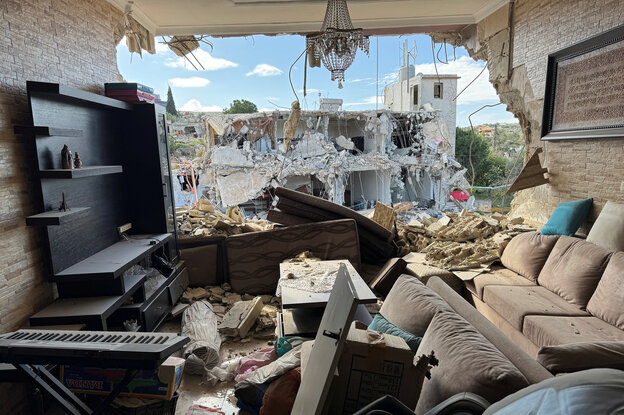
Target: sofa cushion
(573, 269)
(514, 303)
(607, 303)
(410, 305)
(608, 230)
(467, 363)
(498, 276)
(554, 330)
(567, 217)
(526, 253)
(573, 357)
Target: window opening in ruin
(438, 90)
(415, 95)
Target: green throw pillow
(382, 325)
(567, 217)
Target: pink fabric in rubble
(254, 361)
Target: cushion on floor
(608, 230)
(573, 357)
(513, 303)
(553, 331)
(526, 253)
(498, 276)
(573, 269)
(607, 303)
(468, 362)
(410, 305)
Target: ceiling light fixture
(337, 42)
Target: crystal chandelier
(337, 42)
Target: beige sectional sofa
(474, 356)
(555, 305)
(559, 298)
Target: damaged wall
(578, 168)
(53, 41)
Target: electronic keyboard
(104, 349)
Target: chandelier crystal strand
(337, 42)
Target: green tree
(171, 107)
(473, 152)
(241, 106)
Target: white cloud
(353, 81)
(192, 82)
(194, 105)
(370, 101)
(161, 48)
(481, 90)
(272, 98)
(200, 58)
(264, 69)
(310, 91)
(265, 109)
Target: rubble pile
(458, 241)
(206, 220)
(240, 317)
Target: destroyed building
(513, 314)
(352, 158)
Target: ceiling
(272, 17)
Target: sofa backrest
(410, 305)
(253, 258)
(607, 302)
(532, 371)
(526, 253)
(573, 269)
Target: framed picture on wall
(584, 95)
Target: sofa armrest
(533, 371)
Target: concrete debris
(362, 155)
(384, 215)
(458, 241)
(206, 220)
(240, 318)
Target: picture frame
(584, 95)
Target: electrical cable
(290, 73)
(475, 78)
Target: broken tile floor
(220, 396)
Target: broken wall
(578, 168)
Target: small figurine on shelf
(77, 161)
(64, 207)
(66, 158)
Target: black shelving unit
(125, 178)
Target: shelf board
(74, 93)
(78, 173)
(111, 262)
(45, 131)
(78, 310)
(53, 217)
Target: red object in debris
(459, 195)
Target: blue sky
(256, 68)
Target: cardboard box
(159, 383)
(371, 367)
